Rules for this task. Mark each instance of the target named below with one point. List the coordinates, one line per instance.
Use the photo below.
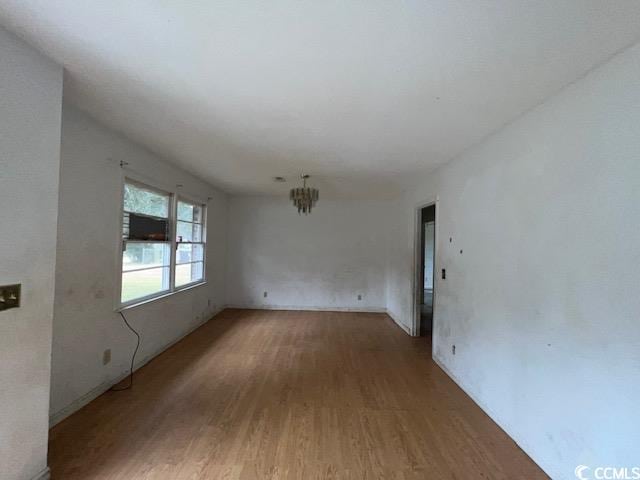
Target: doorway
(426, 269)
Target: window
(190, 244)
(163, 245)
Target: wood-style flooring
(288, 395)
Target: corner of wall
(43, 475)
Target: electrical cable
(133, 358)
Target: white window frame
(174, 196)
(203, 241)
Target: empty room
(354, 240)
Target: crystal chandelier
(305, 198)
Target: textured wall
(30, 102)
(89, 226)
(324, 260)
(543, 303)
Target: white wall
(321, 261)
(30, 102)
(89, 226)
(543, 304)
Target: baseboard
(100, 389)
(309, 309)
(406, 329)
(43, 475)
(491, 414)
(95, 392)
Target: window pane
(188, 273)
(139, 200)
(189, 252)
(189, 232)
(143, 283)
(197, 214)
(144, 255)
(189, 212)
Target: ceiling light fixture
(305, 198)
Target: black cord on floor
(133, 359)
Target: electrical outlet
(359, 297)
(106, 356)
(264, 294)
(9, 297)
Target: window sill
(164, 296)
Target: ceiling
(361, 94)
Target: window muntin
(145, 255)
(145, 263)
(163, 245)
(190, 249)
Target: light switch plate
(9, 296)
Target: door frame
(416, 281)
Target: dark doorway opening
(427, 270)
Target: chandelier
(305, 198)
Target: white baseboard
(43, 475)
(95, 392)
(307, 308)
(98, 390)
(400, 324)
(523, 445)
(405, 328)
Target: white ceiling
(360, 94)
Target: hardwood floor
(288, 395)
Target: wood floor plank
(288, 395)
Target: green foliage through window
(146, 202)
(153, 267)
